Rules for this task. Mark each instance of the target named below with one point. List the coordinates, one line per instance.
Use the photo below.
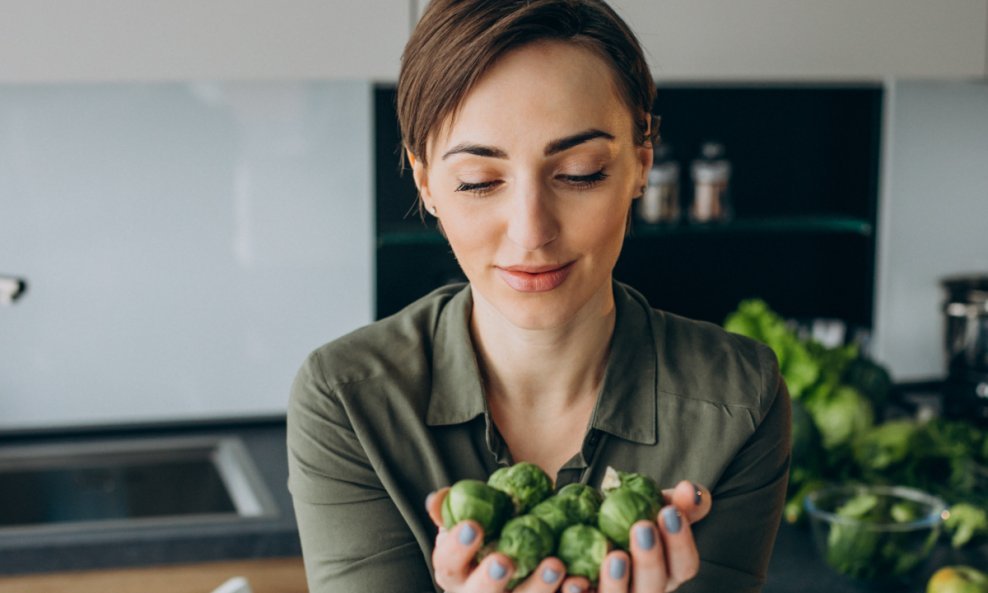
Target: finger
(615, 572)
(545, 578)
(453, 556)
(648, 560)
(692, 499)
(575, 585)
(491, 576)
(434, 504)
(682, 559)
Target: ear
(645, 156)
(421, 177)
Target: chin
(540, 311)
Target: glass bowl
(875, 533)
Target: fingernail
(574, 589)
(428, 499)
(467, 535)
(497, 570)
(645, 537)
(697, 494)
(550, 576)
(617, 568)
(670, 517)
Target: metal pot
(966, 312)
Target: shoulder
(395, 347)
(701, 361)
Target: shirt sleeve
(735, 540)
(353, 536)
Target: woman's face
(533, 181)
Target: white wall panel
(186, 245)
(810, 39)
(933, 217)
(177, 40)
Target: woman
(527, 127)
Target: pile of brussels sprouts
(524, 520)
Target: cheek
(603, 223)
(468, 236)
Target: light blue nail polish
(574, 589)
(670, 517)
(617, 568)
(550, 576)
(645, 537)
(467, 535)
(497, 571)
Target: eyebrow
(554, 147)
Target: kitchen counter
(271, 575)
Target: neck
(543, 370)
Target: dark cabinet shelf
(426, 234)
(801, 225)
(804, 186)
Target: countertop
(270, 575)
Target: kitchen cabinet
(45, 41)
(810, 40)
(805, 192)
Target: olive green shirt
(383, 416)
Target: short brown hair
(457, 41)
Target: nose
(532, 223)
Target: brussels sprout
(582, 491)
(583, 548)
(558, 512)
(621, 509)
(475, 500)
(524, 482)
(586, 500)
(640, 484)
(527, 540)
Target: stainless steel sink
(131, 483)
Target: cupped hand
(456, 569)
(663, 553)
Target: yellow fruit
(958, 579)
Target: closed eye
(479, 189)
(584, 181)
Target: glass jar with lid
(711, 174)
(660, 202)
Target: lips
(535, 278)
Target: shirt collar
(627, 403)
(457, 391)
(626, 406)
